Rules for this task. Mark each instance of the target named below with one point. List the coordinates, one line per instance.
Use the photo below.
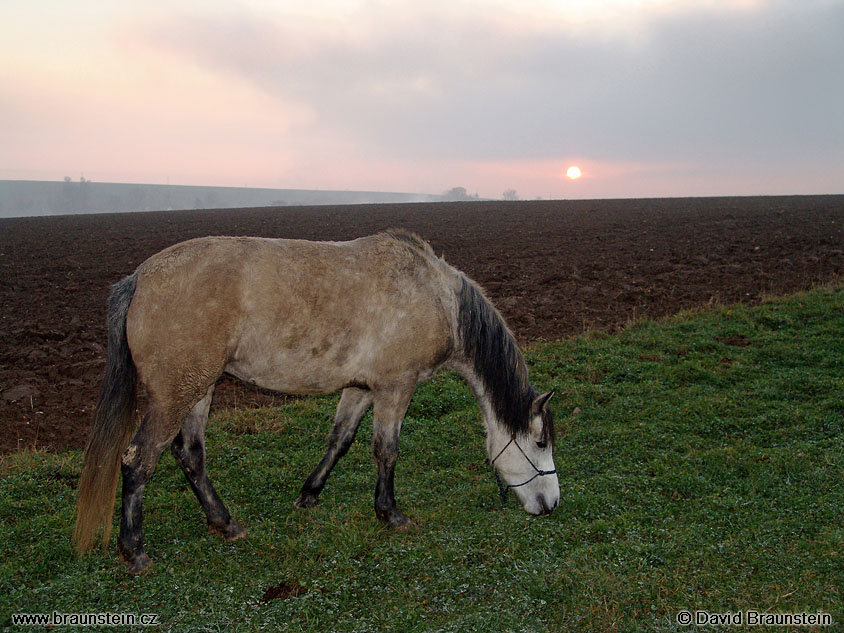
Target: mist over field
(22, 198)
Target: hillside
(20, 198)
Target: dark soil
(552, 268)
(283, 591)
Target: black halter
(502, 489)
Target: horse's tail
(113, 426)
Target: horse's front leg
(353, 404)
(389, 412)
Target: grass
(700, 463)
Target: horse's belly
(301, 371)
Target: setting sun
(573, 172)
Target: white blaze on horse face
(541, 494)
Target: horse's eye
(542, 444)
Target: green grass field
(701, 465)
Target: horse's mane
(411, 239)
(492, 351)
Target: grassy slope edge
(700, 464)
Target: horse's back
(292, 315)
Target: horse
(372, 317)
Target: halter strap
(502, 489)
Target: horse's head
(525, 462)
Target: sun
(573, 172)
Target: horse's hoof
(395, 519)
(403, 527)
(139, 565)
(306, 501)
(230, 532)
(136, 565)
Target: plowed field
(553, 268)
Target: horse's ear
(541, 402)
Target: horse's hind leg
(188, 447)
(137, 465)
(353, 404)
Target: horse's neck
(489, 359)
(467, 372)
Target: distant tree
(511, 194)
(456, 194)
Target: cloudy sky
(647, 97)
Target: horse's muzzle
(544, 506)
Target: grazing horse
(373, 317)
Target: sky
(647, 97)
